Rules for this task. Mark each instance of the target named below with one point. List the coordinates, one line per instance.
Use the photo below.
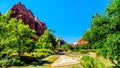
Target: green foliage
(102, 25)
(104, 31)
(46, 41)
(10, 62)
(45, 45)
(112, 47)
(85, 46)
(113, 8)
(15, 38)
(90, 62)
(40, 55)
(65, 47)
(75, 67)
(99, 29)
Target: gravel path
(66, 60)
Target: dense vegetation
(104, 33)
(17, 46)
(90, 62)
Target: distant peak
(19, 2)
(19, 11)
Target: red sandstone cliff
(81, 41)
(19, 11)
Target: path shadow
(41, 63)
(116, 66)
(34, 61)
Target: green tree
(15, 37)
(46, 41)
(111, 47)
(104, 31)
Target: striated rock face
(20, 12)
(81, 41)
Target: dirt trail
(66, 60)
(70, 60)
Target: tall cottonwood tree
(15, 37)
(105, 30)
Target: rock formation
(20, 12)
(60, 41)
(81, 41)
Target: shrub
(11, 62)
(75, 67)
(40, 55)
(112, 47)
(90, 62)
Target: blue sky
(69, 18)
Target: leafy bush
(39, 55)
(65, 47)
(11, 62)
(112, 47)
(46, 41)
(16, 62)
(85, 46)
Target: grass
(89, 62)
(51, 58)
(106, 62)
(99, 60)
